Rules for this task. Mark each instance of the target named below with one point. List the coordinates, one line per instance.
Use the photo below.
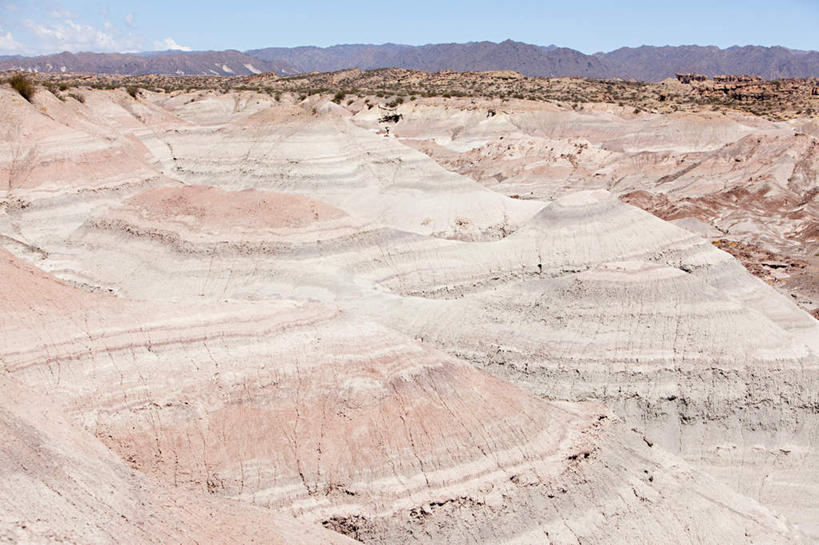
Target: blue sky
(44, 26)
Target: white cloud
(8, 45)
(170, 43)
(53, 29)
(64, 33)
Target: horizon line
(246, 51)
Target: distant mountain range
(646, 63)
(656, 63)
(211, 63)
(531, 60)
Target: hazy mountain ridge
(648, 63)
(214, 63)
(656, 63)
(644, 63)
(528, 59)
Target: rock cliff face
(736, 78)
(271, 313)
(689, 78)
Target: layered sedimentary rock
(61, 485)
(714, 167)
(338, 421)
(750, 180)
(280, 304)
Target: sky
(34, 27)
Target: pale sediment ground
(274, 302)
(747, 179)
(310, 411)
(61, 485)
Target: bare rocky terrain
(345, 307)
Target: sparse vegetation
(22, 158)
(776, 101)
(54, 91)
(23, 85)
(391, 118)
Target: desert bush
(53, 90)
(133, 91)
(391, 118)
(23, 85)
(339, 96)
(78, 97)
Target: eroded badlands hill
(260, 304)
(730, 178)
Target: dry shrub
(23, 85)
